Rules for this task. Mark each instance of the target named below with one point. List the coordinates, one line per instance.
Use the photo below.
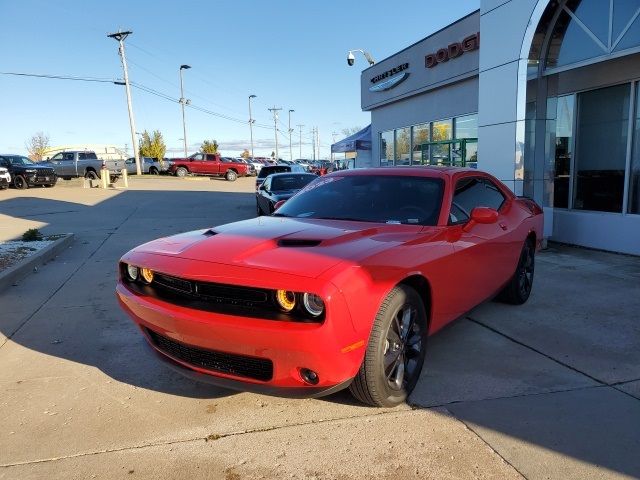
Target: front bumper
(5, 180)
(37, 179)
(326, 348)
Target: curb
(20, 270)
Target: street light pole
(300, 141)
(275, 111)
(290, 130)
(119, 37)
(183, 101)
(251, 125)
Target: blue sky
(290, 54)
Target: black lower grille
(230, 363)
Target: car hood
(301, 247)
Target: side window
(198, 157)
(67, 157)
(82, 156)
(472, 192)
(4, 162)
(57, 157)
(267, 184)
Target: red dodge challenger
(340, 287)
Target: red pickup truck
(207, 164)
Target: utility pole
(275, 111)
(251, 120)
(318, 141)
(119, 37)
(334, 135)
(300, 141)
(183, 102)
(290, 130)
(313, 142)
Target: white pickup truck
(75, 163)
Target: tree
(245, 154)
(37, 146)
(152, 145)
(350, 131)
(209, 146)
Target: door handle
(502, 226)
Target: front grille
(227, 299)
(230, 363)
(42, 172)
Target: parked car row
(22, 172)
(210, 164)
(148, 165)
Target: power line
(60, 77)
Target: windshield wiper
(276, 214)
(347, 219)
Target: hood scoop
(298, 242)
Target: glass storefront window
(587, 29)
(440, 131)
(387, 153)
(634, 174)
(467, 127)
(403, 146)
(421, 136)
(601, 148)
(563, 150)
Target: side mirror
(482, 215)
(263, 187)
(278, 205)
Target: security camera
(351, 59)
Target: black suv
(25, 173)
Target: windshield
(265, 172)
(291, 182)
(369, 198)
(19, 160)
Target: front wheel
(153, 171)
(20, 183)
(181, 172)
(91, 175)
(395, 352)
(517, 291)
(231, 176)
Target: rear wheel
(395, 352)
(518, 289)
(91, 175)
(153, 171)
(181, 172)
(20, 183)
(231, 176)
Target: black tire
(181, 172)
(395, 352)
(20, 183)
(113, 178)
(517, 291)
(91, 175)
(154, 171)
(4, 187)
(231, 176)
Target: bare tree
(37, 146)
(350, 131)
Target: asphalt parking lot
(550, 389)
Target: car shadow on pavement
(68, 308)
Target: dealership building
(542, 94)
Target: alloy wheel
(403, 348)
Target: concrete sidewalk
(550, 389)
